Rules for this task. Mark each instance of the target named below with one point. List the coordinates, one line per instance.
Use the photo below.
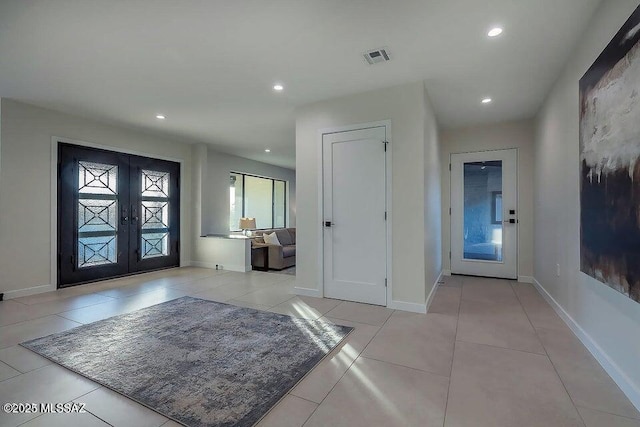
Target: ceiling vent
(375, 56)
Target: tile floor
(489, 353)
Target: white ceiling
(210, 65)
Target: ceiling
(210, 65)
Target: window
(256, 197)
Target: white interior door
(354, 205)
(484, 220)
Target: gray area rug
(199, 362)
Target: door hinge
(449, 166)
(385, 215)
(178, 246)
(59, 259)
(449, 254)
(384, 143)
(385, 282)
(449, 211)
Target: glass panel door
(484, 213)
(483, 210)
(155, 207)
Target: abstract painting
(610, 163)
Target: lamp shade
(247, 223)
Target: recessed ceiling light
(278, 87)
(160, 116)
(267, 150)
(494, 32)
(486, 100)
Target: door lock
(328, 224)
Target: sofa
(280, 257)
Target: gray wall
(515, 134)
(610, 321)
(215, 188)
(26, 186)
(415, 197)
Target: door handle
(124, 217)
(328, 224)
(510, 221)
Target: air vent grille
(376, 56)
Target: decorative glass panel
(155, 214)
(94, 251)
(97, 178)
(155, 183)
(97, 215)
(155, 245)
(483, 211)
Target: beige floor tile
(12, 312)
(7, 371)
(497, 324)
(66, 420)
(497, 387)
(146, 286)
(319, 382)
(119, 411)
(22, 359)
(15, 334)
(361, 313)
(374, 393)
(453, 281)
(538, 310)
(290, 412)
(268, 297)
(419, 341)
(593, 418)
(248, 304)
(50, 384)
(71, 303)
(586, 381)
(121, 305)
(446, 301)
(488, 290)
(306, 307)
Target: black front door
(117, 214)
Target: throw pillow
(271, 239)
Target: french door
(117, 214)
(354, 205)
(484, 221)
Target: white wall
(215, 193)
(517, 134)
(405, 106)
(432, 199)
(25, 186)
(610, 322)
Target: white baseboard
(228, 267)
(427, 303)
(526, 279)
(29, 291)
(307, 292)
(408, 306)
(628, 387)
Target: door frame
(517, 226)
(320, 212)
(53, 269)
